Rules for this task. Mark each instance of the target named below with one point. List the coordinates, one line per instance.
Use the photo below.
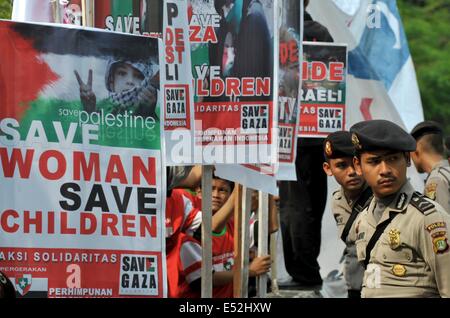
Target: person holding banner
(132, 87)
(402, 236)
(429, 158)
(347, 202)
(223, 242)
(302, 202)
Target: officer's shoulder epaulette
(445, 172)
(420, 202)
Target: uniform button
(384, 256)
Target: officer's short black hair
(433, 143)
(447, 144)
(426, 127)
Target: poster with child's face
(81, 174)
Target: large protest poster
(176, 79)
(289, 74)
(166, 19)
(323, 93)
(233, 59)
(81, 177)
(263, 177)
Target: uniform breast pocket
(398, 264)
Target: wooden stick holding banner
(237, 276)
(206, 273)
(56, 11)
(87, 8)
(273, 229)
(242, 241)
(263, 225)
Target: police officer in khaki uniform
(429, 157)
(347, 202)
(402, 236)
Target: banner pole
(263, 225)
(274, 217)
(207, 231)
(238, 257)
(242, 242)
(56, 11)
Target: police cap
(381, 134)
(338, 145)
(425, 128)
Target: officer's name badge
(394, 238)
(436, 225)
(399, 270)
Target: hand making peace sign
(87, 96)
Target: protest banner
(233, 60)
(263, 177)
(169, 20)
(176, 78)
(323, 93)
(82, 183)
(290, 51)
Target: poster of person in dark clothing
(232, 45)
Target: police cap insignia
(356, 142)
(328, 149)
(381, 135)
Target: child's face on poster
(126, 77)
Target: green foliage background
(427, 25)
(5, 9)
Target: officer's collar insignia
(394, 239)
(328, 149)
(401, 201)
(430, 191)
(399, 270)
(355, 141)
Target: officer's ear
(327, 168)
(407, 158)
(357, 164)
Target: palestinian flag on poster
(130, 16)
(81, 173)
(72, 76)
